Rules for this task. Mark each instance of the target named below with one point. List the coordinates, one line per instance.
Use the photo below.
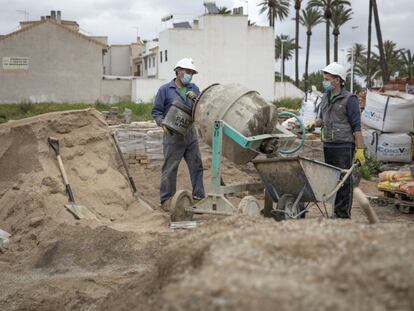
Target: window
(145, 61)
(160, 56)
(153, 61)
(166, 58)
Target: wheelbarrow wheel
(285, 208)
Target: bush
(370, 168)
(290, 103)
(140, 112)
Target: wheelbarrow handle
(340, 184)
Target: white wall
(287, 89)
(115, 91)
(225, 50)
(117, 60)
(144, 90)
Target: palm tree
(297, 9)
(288, 48)
(407, 63)
(340, 15)
(224, 11)
(392, 57)
(359, 53)
(359, 56)
(383, 61)
(326, 6)
(360, 59)
(276, 9)
(368, 65)
(309, 18)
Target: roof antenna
(26, 14)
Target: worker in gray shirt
(177, 146)
(341, 135)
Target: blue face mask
(327, 86)
(186, 78)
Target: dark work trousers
(175, 148)
(342, 158)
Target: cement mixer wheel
(249, 205)
(179, 202)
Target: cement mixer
(238, 124)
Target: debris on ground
(130, 257)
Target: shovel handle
(70, 193)
(125, 165)
(65, 179)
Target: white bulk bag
(388, 147)
(309, 109)
(391, 112)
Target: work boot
(196, 200)
(166, 205)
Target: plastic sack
(389, 185)
(408, 188)
(395, 176)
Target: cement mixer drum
(243, 109)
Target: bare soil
(129, 259)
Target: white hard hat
(336, 69)
(186, 63)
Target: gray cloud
(117, 19)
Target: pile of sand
(31, 187)
(129, 259)
(242, 263)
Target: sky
(122, 20)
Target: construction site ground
(129, 258)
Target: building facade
(225, 49)
(47, 61)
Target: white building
(225, 49)
(119, 59)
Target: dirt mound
(31, 185)
(244, 264)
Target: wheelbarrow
(297, 182)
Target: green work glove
(310, 127)
(359, 156)
(191, 95)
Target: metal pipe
(366, 207)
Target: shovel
(79, 211)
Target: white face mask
(186, 78)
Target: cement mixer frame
(215, 202)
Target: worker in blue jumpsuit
(177, 146)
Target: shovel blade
(80, 211)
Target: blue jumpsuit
(176, 146)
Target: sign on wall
(16, 63)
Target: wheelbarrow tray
(291, 175)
